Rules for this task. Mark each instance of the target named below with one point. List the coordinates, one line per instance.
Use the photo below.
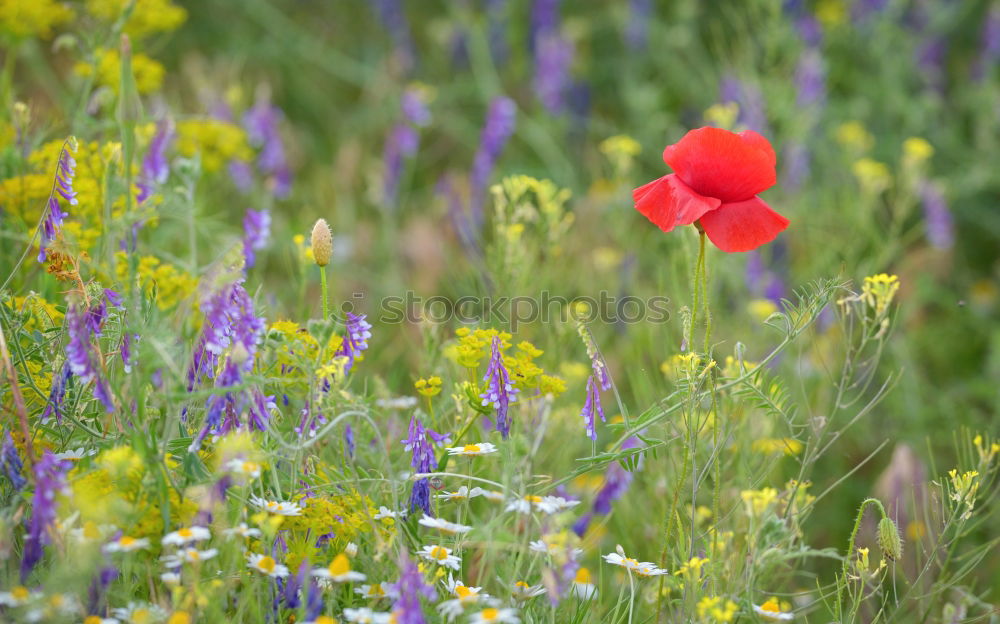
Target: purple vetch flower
(499, 391)
(356, 335)
(394, 20)
(750, 100)
(544, 22)
(261, 123)
(63, 187)
(50, 480)
(314, 600)
(810, 30)
(616, 482)
(256, 233)
(937, 217)
(128, 359)
(409, 589)
(99, 587)
(810, 80)
(460, 219)
(401, 145)
(10, 462)
(499, 127)
(591, 407)
(640, 16)
(57, 394)
(113, 298)
(989, 46)
(553, 57)
(798, 161)
(422, 459)
(762, 281)
(155, 168)
(863, 10)
(80, 352)
(292, 594)
(349, 440)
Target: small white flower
(188, 555)
(582, 587)
(451, 609)
(126, 544)
(643, 568)
(339, 571)
(171, 578)
(522, 591)
(385, 512)
(374, 591)
(397, 403)
(76, 454)
(279, 508)
(461, 493)
(547, 548)
(367, 616)
(555, 504)
(351, 550)
(242, 530)
(491, 495)
(771, 611)
(90, 532)
(185, 535)
(492, 614)
(443, 525)
(440, 555)
(481, 448)
(140, 612)
(17, 596)
(243, 467)
(266, 565)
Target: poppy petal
(718, 163)
(668, 202)
(743, 226)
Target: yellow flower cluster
(217, 141)
(964, 488)
(298, 346)
(854, 136)
(428, 387)
(32, 18)
(872, 175)
(723, 115)
(879, 290)
(106, 70)
(771, 446)
(714, 609)
(473, 346)
(345, 516)
(148, 16)
(172, 285)
(758, 501)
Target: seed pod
(889, 540)
(322, 243)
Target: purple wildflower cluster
(256, 233)
(403, 142)
(10, 462)
(499, 391)
(261, 123)
(616, 482)
(409, 589)
(553, 58)
(50, 480)
(81, 359)
(393, 19)
(598, 381)
(63, 187)
(937, 217)
(420, 443)
(989, 45)
(155, 168)
(230, 322)
(356, 335)
(499, 127)
(591, 408)
(639, 17)
(750, 100)
(762, 281)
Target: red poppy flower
(717, 175)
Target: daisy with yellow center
(242, 530)
(278, 508)
(188, 555)
(440, 555)
(772, 611)
(643, 568)
(185, 535)
(339, 571)
(243, 467)
(461, 493)
(367, 616)
(444, 526)
(491, 495)
(267, 565)
(126, 543)
(322, 619)
(583, 587)
(522, 591)
(371, 592)
(481, 448)
(140, 613)
(16, 596)
(492, 614)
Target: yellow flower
(620, 144)
(217, 141)
(879, 290)
(872, 175)
(831, 12)
(692, 567)
(758, 501)
(769, 446)
(713, 609)
(428, 387)
(32, 18)
(917, 150)
(854, 136)
(148, 73)
(148, 16)
(761, 309)
(723, 115)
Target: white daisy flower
(481, 448)
(321, 619)
(140, 613)
(582, 585)
(555, 504)
(451, 609)
(90, 532)
(462, 591)
(643, 568)
(461, 493)
(171, 578)
(126, 544)
(491, 495)
(524, 504)
(242, 530)
(56, 607)
(367, 616)
(76, 454)
(374, 591)
(279, 508)
(243, 467)
(522, 591)
(385, 512)
(266, 565)
(443, 525)
(492, 614)
(440, 555)
(185, 535)
(188, 555)
(771, 611)
(547, 548)
(17, 596)
(339, 571)
(351, 550)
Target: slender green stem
(324, 293)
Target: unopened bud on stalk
(889, 540)
(322, 243)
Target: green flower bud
(889, 540)
(322, 243)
